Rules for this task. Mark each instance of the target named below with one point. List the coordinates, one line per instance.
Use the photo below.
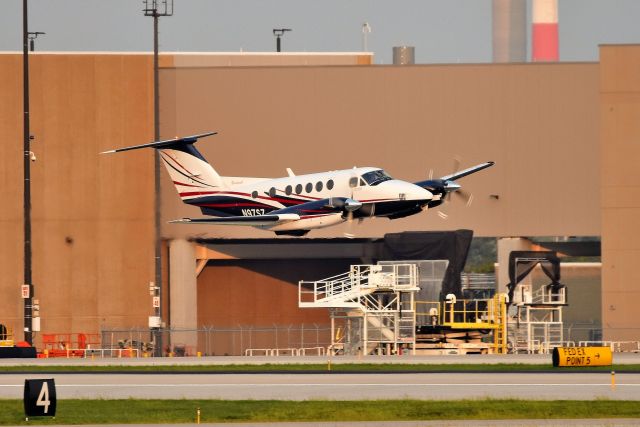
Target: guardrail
(615, 346)
(319, 351)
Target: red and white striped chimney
(544, 45)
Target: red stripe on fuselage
(236, 193)
(206, 193)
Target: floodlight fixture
(33, 35)
(279, 32)
(158, 7)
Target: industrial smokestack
(544, 32)
(404, 55)
(509, 30)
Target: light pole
(27, 288)
(156, 9)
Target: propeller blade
(430, 174)
(470, 200)
(456, 164)
(349, 231)
(466, 196)
(443, 215)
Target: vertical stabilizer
(190, 172)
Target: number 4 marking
(43, 397)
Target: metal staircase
(535, 322)
(375, 303)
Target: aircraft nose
(419, 193)
(408, 191)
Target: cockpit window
(376, 177)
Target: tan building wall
(620, 184)
(92, 214)
(538, 122)
(272, 285)
(262, 59)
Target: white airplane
(295, 204)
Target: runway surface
(334, 386)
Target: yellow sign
(582, 356)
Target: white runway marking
(442, 386)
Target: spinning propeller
(446, 186)
(348, 206)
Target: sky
(442, 31)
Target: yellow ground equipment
(582, 356)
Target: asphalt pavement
(335, 386)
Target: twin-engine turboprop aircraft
(295, 204)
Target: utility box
(155, 322)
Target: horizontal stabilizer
(257, 220)
(163, 144)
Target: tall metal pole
(156, 9)
(156, 159)
(28, 302)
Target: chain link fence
(220, 341)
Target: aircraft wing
(466, 172)
(255, 221)
(447, 183)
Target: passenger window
(272, 192)
(254, 194)
(309, 187)
(319, 186)
(330, 184)
(298, 188)
(288, 190)
(353, 181)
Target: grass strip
(75, 411)
(335, 367)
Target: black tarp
(433, 245)
(522, 262)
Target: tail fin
(191, 174)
